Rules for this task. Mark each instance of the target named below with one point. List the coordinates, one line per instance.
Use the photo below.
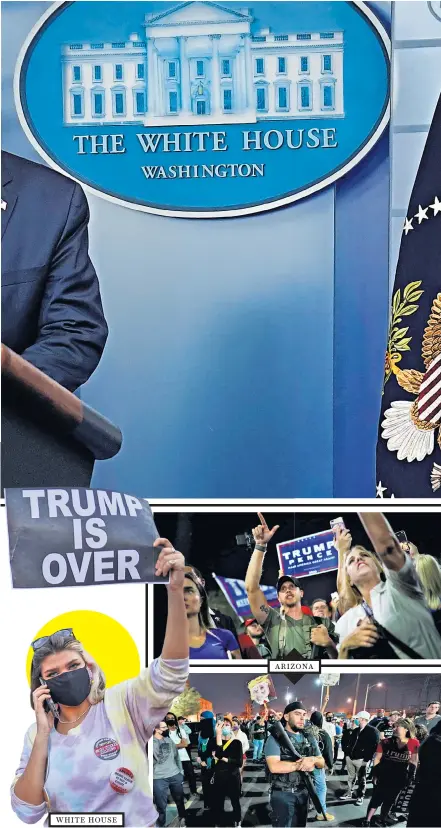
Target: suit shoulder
(31, 173)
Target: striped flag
(409, 438)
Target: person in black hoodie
(206, 749)
(425, 805)
(362, 747)
(324, 742)
(226, 777)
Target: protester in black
(395, 764)
(362, 746)
(289, 794)
(324, 742)
(425, 805)
(206, 749)
(226, 776)
(348, 727)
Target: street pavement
(255, 803)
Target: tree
(187, 704)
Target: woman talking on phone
(86, 752)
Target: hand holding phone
(44, 707)
(337, 522)
(401, 536)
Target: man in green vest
(291, 632)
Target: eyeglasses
(40, 642)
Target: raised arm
(258, 603)
(176, 643)
(383, 539)
(342, 543)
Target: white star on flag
(408, 226)
(421, 214)
(436, 206)
(3, 205)
(381, 489)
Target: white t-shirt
(398, 605)
(243, 738)
(176, 738)
(329, 728)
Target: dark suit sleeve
(72, 330)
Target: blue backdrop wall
(245, 356)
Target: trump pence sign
(204, 109)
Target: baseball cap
(284, 578)
(363, 715)
(295, 705)
(250, 621)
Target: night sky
(229, 692)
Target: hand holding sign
(262, 534)
(171, 562)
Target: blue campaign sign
(310, 555)
(204, 109)
(236, 595)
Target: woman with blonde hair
(429, 573)
(86, 751)
(387, 616)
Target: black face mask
(70, 688)
(170, 722)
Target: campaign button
(122, 780)
(106, 748)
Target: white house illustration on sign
(199, 63)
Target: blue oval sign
(204, 109)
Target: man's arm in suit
(72, 330)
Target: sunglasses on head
(40, 642)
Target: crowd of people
(397, 755)
(387, 605)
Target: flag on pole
(409, 437)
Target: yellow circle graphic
(105, 639)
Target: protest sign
(236, 595)
(310, 555)
(72, 537)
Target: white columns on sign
(160, 84)
(215, 76)
(241, 79)
(185, 77)
(152, 81)
(249, 72)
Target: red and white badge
(106, 748)
(122, 780)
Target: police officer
(289, 794)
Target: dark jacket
(235, 759)
(425, 805)
(363, 743)
(51, 306)
(324, 742)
